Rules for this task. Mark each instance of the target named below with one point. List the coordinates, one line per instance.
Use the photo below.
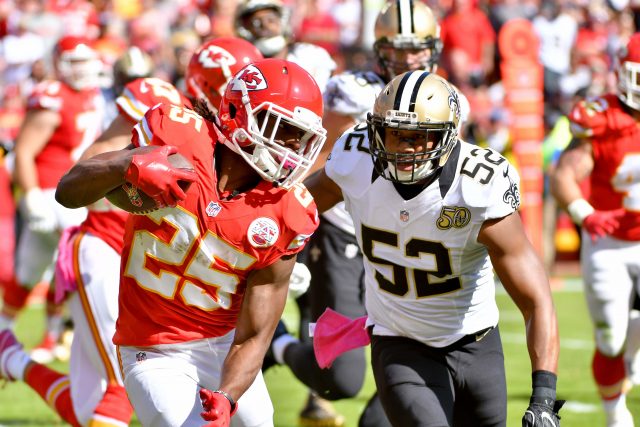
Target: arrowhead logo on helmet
(252, 77)
(215, 57)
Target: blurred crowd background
(578, 41)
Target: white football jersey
(353, 93)
(427, 277)
(315, 60)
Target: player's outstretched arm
(522, 274)
(324, 190)
(262, 307)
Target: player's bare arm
(146, 168)
(116, 137)
(575, 164)
(262, 307)
(89, 180)
(523, 276)
(36, 131)
(325, 192)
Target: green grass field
(20, 406)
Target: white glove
(299, 281)
(40, 217)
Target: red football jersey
(184, 270)
(141, 94)
(615, 139)
(81, 115)
(104, 219)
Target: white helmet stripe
(407, 91)
(405, 17)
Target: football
(133, 200)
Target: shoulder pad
(47, 95)
(588, 117)
(488, 181)
(141, 94)
(353, 94)
(301, 217)
(166, 124)
(349, 163)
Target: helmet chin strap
(271, 46)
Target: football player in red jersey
(64, 116)
(95, 382)
(605, 150)
(204, 279)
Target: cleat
(319, 412)
(269, 360)
(45, 351)
(8, 346)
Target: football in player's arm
(433, 215)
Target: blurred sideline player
(96, 249)
(407, 38)
(64, 117)
(605, 150)
(214, 262)
(265, 23)
(434, 217)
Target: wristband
(544, 387)
(232, 402)
(578, 210)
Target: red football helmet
(214, 63)
(78, 63)
(629, 72)
(265, 104)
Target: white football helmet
(421, 102)
(78, 63)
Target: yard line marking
(580, 407)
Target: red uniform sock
(609, 374)
(14, 298)
(55, 390)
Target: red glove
(151, 172)
(217, 408)
(601, 223)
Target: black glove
(542, 414)
(543, 406)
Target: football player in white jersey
(434, 216)
(407, 38)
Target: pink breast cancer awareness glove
(151, 172)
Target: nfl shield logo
(404, 215)
(213, 209)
